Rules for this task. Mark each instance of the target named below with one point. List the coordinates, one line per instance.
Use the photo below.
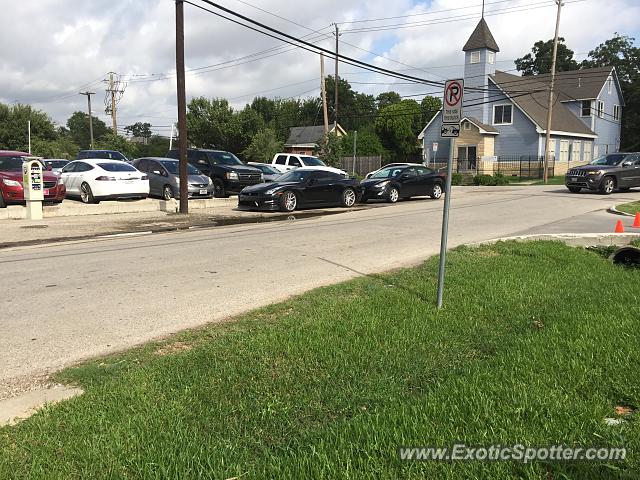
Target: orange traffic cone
(636, 222)
(619, 227)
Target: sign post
(33, 186)
(451, 117)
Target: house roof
(483, 127)
(534, 104)
(481, 38)
(308, 135)
(582, 84)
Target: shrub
(456, 179)
(483, 180)
(500, 179)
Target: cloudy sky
(51, 49)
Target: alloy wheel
(290, 201)
(394, 195)
(437, 191)
(167, 193)
(84, 193)
(349, 198)
(608, 185)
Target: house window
(600, 109)
(564, 150)
(475, 56)
(491, 57)
(609, 85)
(616, 112)
(586, 152)
(466, 126)
(502, 114)
(575, 151)
(585, 109)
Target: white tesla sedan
(99, 179)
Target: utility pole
(88, 94)
(547, 152)
(29, 132)
(323, 89)
(182, 108)
(335, 101)
(112, 91)
(355, 147)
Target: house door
(467, 158)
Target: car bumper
(591, 183)
(200, 192)
(236, 186)
(115, 190)
(16, 194)
(258, 202)
(373, 194)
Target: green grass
(632, 207)
(558, 180)
(537, 344)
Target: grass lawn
(633, 207)
(559, 180)
(538, 343)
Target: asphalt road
(66, 302)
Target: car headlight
(209, 180)
(232, 175)
(271, 191)
(11, 183)
(595, 172)
(382, 184)
(60, 182)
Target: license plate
(203, 191)
(574, 179)
(46, 192)
(128, 181)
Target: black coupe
(302, 187)
(396, 182)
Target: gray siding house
(505, 115)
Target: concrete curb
(615, 211)
(571, 239)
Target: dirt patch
(173, 348)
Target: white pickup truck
(283, 162)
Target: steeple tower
(480, 62)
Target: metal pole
(182, 108)
(29, 129)
(173, 126)
(445, 224)
(88, 94)
(355, 143)
(551, 86)
(336, 84)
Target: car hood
(595, 167)
(239, 168)
(263, 187)
(369, 182)
(198, 179)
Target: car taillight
(104, 178)
(144, 177)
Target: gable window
(585, 108)
(616, 112)
(475, 57)
(491, 57)
(466, 126)
(502, 114)
(609, 85)
(600, 108)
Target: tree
(78, 125)
(264, 145)
(539, 60)
(398, 126)
(332, 150)
(139, 130)
(367, 143)
(119, 144)
(429, 107)
(14, 129)
(387, 98)
(157, 146)
(619, 52)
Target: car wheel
(167, 192)
(436, 191)
(607, 186)
(288, 201)
(393, 196)
(218, 189)
(348, 198)
(86, 195)
(574, 189)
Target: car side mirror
(156, 172)
(627, 163)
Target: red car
(11, 190)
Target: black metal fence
(522, 167)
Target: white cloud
(68, 44)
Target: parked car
(368, 175)
(403, 181)
(606, 173)
(227, 172)
(164, 178)
(11, 189)
(303, 187)
(269, 174)
(283, 162)
(105, 154)
(94, 180)
(55, 164)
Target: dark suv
(102, 154)
(605, 174)
(227, 172)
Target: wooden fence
(362, 166)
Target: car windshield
(266, 169)
(388, 172)
(295, 176)
(56, 163)
(11, 164)
(173, 168)
(226, 158)
(116, 167)
(313, 162)
(613, 159)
